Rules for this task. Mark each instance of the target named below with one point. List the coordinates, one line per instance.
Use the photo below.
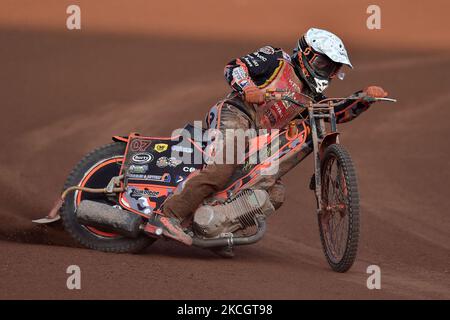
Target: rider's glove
(252, 94)
(375, 92)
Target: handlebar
(278, 96)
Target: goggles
(324, 66)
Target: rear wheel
(339, 216)
(95, 170)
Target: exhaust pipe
(233, 241)
(101, 215)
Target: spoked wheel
(339, 217)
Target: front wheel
(95, 170)
(339, 214)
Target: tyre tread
(346, 162)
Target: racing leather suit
(263, 68)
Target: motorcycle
(114, 195)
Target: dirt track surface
(63, 94)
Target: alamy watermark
(373, 21)
(74, 280)
(229, 146)
(73, 21)
(374, 280)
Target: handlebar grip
(387, 99)
(373, 99)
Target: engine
(237, 213)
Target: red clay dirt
(64, 93)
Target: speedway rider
(317, 59)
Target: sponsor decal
(270, 117)
(143, 157)
(151, 177)
(182, 149)
(161, 147)
(239, 74)
(243, 83)
(247, 60)
(262, 58)
(189, 169)
(294, 86)
(286, 56)
(138, 168)
(163, 162)
(139, 200)
(267, 50)
(137, 193)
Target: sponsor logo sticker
(161, 147)
(151, 177)
(144, 193)
(142, 157)
(267, 50)
(138, 168)
(163, 162)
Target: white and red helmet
(318, 58)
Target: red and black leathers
(261, 68)
(268, 67)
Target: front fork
(317, 118)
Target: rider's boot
(172, 228)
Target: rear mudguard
(120, 139)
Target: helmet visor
(324, 66)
